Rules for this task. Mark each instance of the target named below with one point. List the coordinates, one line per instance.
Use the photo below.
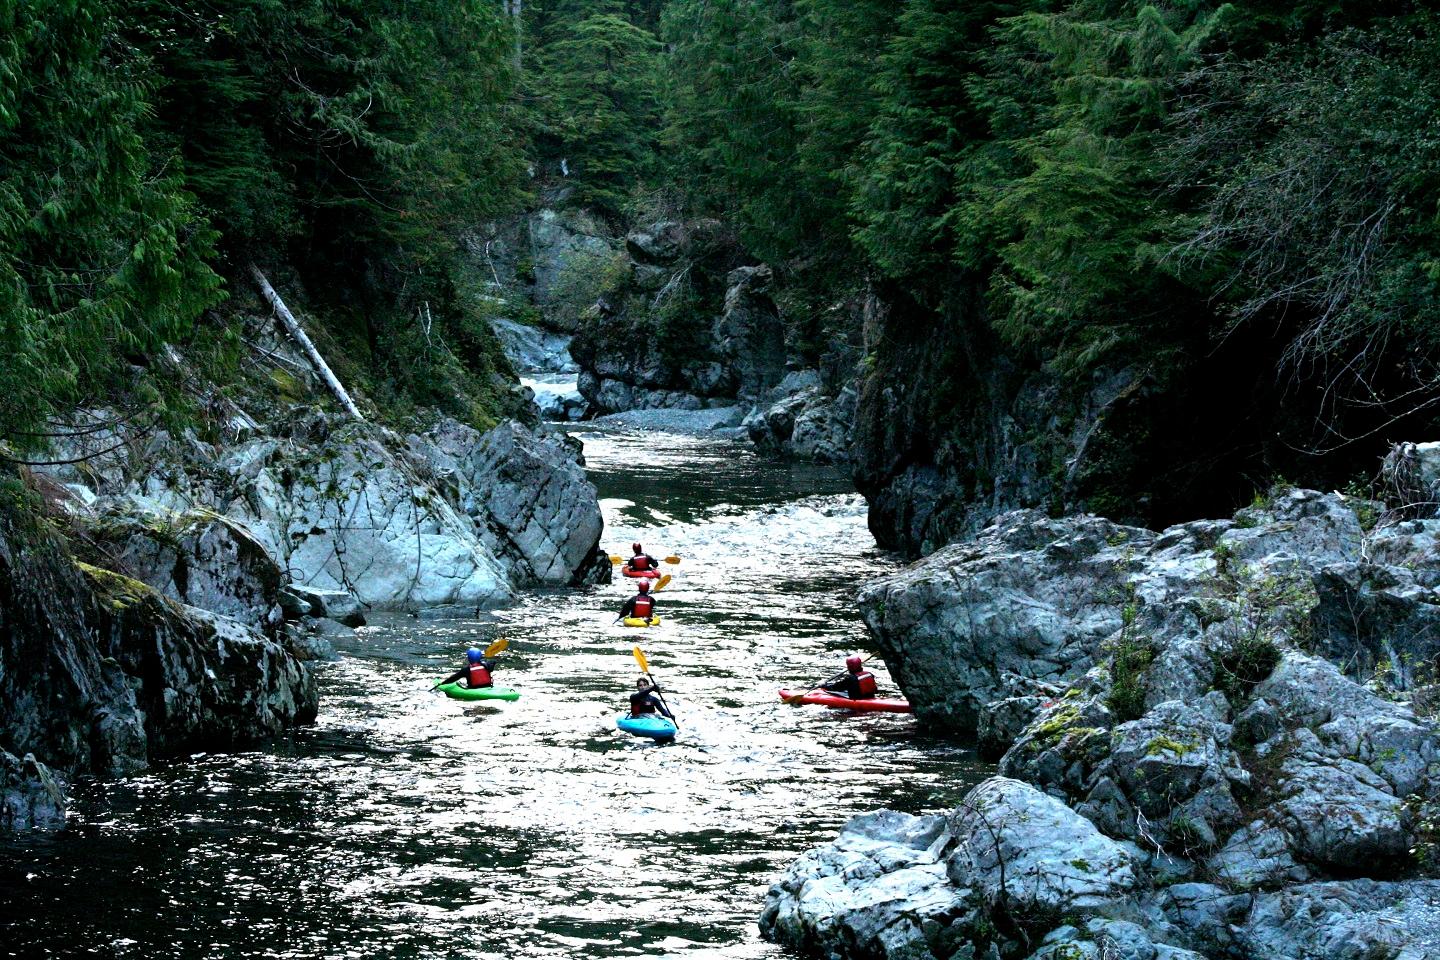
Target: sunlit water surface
(404, 824)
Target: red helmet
(853, 663)
(636, 548)
(644, 586)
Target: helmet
(474, 655)
(853, 663)
(636, 548)
(644, 586)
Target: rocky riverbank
(206, 563)
(1215, 740)
(100, 674)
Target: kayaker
(642, 561)
(646, 700)
(856, 682)
(477, 670)
(640, 606)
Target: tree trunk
(512, 7)
(297, 333)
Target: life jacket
(639, 562)
(478, 675)
(642, 702)
(865, 684)
(644, 606)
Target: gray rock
(803, 421)
(748, 334)
(878, 890)
(339, 605)
(533, 350)
(1257, 856)
(1340, 813)
(1376, 618)
(1031, 597)
(1352, 920)
(100, 674)
(31, 798)
(538, 508)
(1029, 854)
(197, 557)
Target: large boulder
(528, 497)
(1034, 858)
(896, 886)
(100, 674)
(1183, 775)
(748, 335)
(197, 557)
(532, 349)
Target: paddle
(615, 559)
(795, 698)
(498, 647)
(645, 669)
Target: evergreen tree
(595, 89)
(102, 257)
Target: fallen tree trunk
(297, 333)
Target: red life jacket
(639, 562)
(478, 675)
(644, 606)
(865, 683)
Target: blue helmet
(474, 655)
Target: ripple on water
(404, 824)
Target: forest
(1103, 182)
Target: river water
(404, 824)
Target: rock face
(558, 259)
(336, 505)
(690, 327)
(805, 417)
(1207, 739)
(101, 674)
(529, 492)
(534, 349)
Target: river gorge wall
(166, 588)
(1214, 740)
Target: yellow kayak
(642, 622)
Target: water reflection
(407, 825)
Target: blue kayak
(652, 725)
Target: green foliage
(102, 256)
(1131, 654)
(595, 87)
(1250, 660)
(147, 146)
(1325, 185)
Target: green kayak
(456, 692)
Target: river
(404, 824)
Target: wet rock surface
(1223, 715)
(101, 674)
(392, 522)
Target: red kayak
(845, 703)
(640, 574)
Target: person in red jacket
(642, 605)
(477, 670)
(642, 561)
(856, 682)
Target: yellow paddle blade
(497, 647)
(660, 584)
(615, 559)
(640, 659)
(672, 559)
(795, 699)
